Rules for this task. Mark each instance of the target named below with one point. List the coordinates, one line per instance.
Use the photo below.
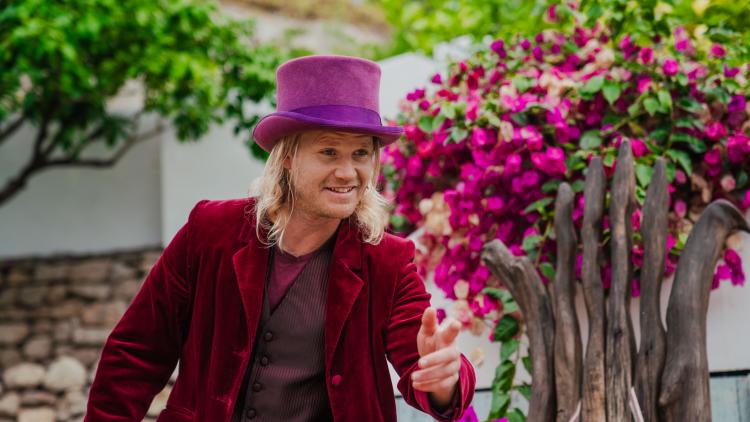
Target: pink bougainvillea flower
(731, 72)
(713, 157)
(682, 45)
(718, 51)
(644, 83)
(627, 47)
(715, 131)
(670, 67)
(415, 95)
(679, 177)
(738, 147)
(639, 147)
(646, 55)
(680, 208)
(513, 164)
(498, 46)
(728, 183)
(538, 54)
(437, 79)
(525, 44)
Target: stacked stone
(55, 315)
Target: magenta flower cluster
(490, 140)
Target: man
(285, 306)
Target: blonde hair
(274, 190)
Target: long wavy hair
(274, 189)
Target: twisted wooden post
(671, 375)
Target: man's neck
(304, 234)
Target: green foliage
(62, 62)
(420, 25)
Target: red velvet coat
(200, 305)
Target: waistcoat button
(336, 380)
(268, 336)
(257, 387)
(264, 360)
(251, 413)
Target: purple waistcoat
(286, 378)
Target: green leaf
(651, 105)
(682, 158)
(493, 119)
(665, 99)
(689, 104)
(643, 174)
(522, 83)
(694, 143)
(508, 348)
(551, 186)
(458, 134)
(741, 179)
(515, 415)
(525, 390)
(526, 363)
(591, 139)
(425, 124)
(593, 85)
(505, 329)
(548, 270)
(577, 186)
(530, 242)
(611, 91)
(448, 110)
(538, 205)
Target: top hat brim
(282, 123)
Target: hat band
(339, 112)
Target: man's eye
(328, 152)
(362, 152)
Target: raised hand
(440, 360)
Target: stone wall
(55, 315)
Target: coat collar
(344, 277)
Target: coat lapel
(344, 285)
(250, 266)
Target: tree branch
(72, 161)
(11, 128)
(40, 157)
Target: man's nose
(345, 170)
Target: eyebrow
(325, 140)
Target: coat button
(268, 336)
(251, 413)
(264, 361)
(336, 380)
(257, 387)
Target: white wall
(81, 210)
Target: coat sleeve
(142, 350)
(409, 302)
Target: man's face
(330, 172)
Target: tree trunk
(619, 341)
(685, 392)
(567, 335)
(593, 407)
(524, 284)
(650, 360)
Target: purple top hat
(326, 92)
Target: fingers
(436, 373)
(435, 386)
(439, 357)
(449, 330)
(429, 322)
